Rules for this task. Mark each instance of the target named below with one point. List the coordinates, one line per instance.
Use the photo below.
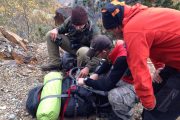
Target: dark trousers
(167, 97)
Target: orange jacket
(150, 33)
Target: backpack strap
(104, 105)
(55, 96)
(99, 92)
(67, 101)
(54, 79)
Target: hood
(130, 11)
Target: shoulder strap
(54, 79)
(55, 96)
(99, 92)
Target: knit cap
(79, 16)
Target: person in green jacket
(75, 33)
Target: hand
(156, 77)
(84, 72)
(94, 76)
(53, 34)
(80, 81)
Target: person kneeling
(118, 82)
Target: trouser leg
(84, 60)
(53, 48)
(167, 101)
(66, 45)
(122, 100)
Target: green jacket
(78, 38)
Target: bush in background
(174, 4)
(30, 19)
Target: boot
(51, 67)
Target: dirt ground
(17, 80)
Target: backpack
(83, 101)
(68, 61)
(78, 100)
(79, 103)
(33, 100)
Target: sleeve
(138, 52)
(104, 68)
(157, 64)
(92, 63)
(62, 29)
(109, 82)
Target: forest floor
(16, 80)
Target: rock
(178, 118)
(12, 117)
(17, 111)
(26, 114)
(15, 48)
(2, 107)
(6, 48)
(14, 38)
(8, 62)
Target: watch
(85, 79)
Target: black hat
(99, 43)
(112, 15)
(79, 16)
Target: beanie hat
(99, 43)
(112, 14)
(79, 16)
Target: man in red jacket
(150, 33)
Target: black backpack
(78, 100)
(68, 61)
(33, 100)
(83, 101)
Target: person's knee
(48, 36)
(122, 101)
(82, 52)
(81, 56)
(115, 98)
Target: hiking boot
(51, 67)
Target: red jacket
(120, 50)
(150, 33)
